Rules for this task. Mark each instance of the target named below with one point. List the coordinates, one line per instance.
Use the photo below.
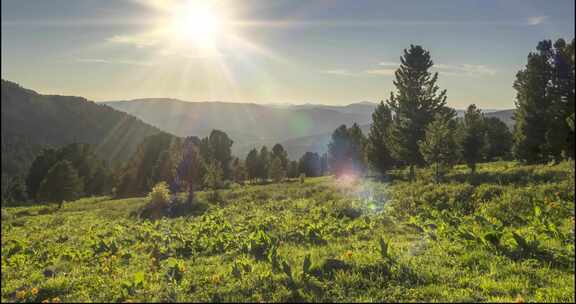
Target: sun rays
(201, 37)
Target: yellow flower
(21, 294)
(128, 301)
(45, 301)
(105, 269)
(56, 300)
(215, 279)
(348, 254)
(519, 299)
(34, 291)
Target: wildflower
(215, 279)
(348, 254)
(182, 268)
(519, 299)
(45, 301)
(105, 269)
(56, 300)
(21, 294)
(128, 301)
(34, 291)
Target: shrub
(159, 196)
(158, 202)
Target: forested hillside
(31, 121)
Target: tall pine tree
(263, 163)
(415, 103)
(61, 184)
(189, 167)
(545, 103)
(357, 148)
(279, 152)
(251, 162)
(472, 140)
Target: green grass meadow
(511, 238)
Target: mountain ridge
(299, 128)
(32, 121)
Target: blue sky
(282, 51)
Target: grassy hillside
(512, 238)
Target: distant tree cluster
(263, 165)
(64, 174)
(347, 150)
(183, 163)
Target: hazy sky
(281, 51)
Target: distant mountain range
(299, 128)
(31, 121)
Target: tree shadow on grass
(542, 255)
(516, 177)
(174, 210)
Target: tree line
(66, 173)
(185, 164)
(415, 128)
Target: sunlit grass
(96, 249)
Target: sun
(198, 24)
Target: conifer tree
(472, 140)
(378, 146)
(309, 164)
(276, 170)
(252, 164)
(438, 146)
(218, 147)
(357, 148)
(293, 169)
(532, 103)
(346, 150)
(38, 170)
(263, 163)
(339, 148)
(497, 141)
(238, 171)
(61, 184)
(279, 152)
(189, 167)
(544, 104)
(415, 103)
(213, 177)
